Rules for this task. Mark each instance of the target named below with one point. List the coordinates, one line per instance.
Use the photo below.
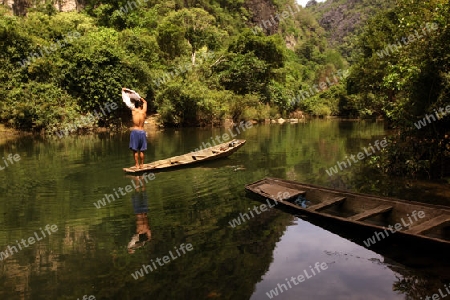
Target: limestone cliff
(19, 7)
(263, 11)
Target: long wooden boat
(218, 151)
(385, 217)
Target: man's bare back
(139, 115)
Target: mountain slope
(342, 18)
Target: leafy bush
(38, 106)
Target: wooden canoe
(218, 151)
(414, 220)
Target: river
(187, 248)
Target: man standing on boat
(138, 137)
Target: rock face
(19, 7)
(263, 12)
(67, 5)
(340, 22)
(341, 18)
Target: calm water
(95, 251)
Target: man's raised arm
(144, 107)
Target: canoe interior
(218, 151)
(364, 210)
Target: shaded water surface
(178, 225)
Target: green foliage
(264, 48)
(38, 106)
(46, 8)
(244, 73)
(406, 83)
(244, 106)
(191, 104)
(171, 40)
(94, 69)
(188, 28)
(159, 49)
(142, 44)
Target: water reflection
(416, 286)
(57, 182)
(139, 199)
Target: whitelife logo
(86, 297)
(225, 136)
(32, 57)
(128, 189)
(237, 221)
(439, 296)
(360, 156)
(430, 118)
(31, 240)
(86, 120)
(318, 266)
(378, 236)
(322, 86)
(166, 259)
(278, 16)
(181, 69)
(11, 158)
(391, 48)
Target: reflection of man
(138, 137)
(140, 206)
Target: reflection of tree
(91, 253)
(370, 181)
(416, 287)
(340, 182)
(228, 261)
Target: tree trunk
(193, 58)
(20, 7)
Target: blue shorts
(140, 202)
(138, 140)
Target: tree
(403, 73)
(244, 73)
(195, 25)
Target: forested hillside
(197, 62)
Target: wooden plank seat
(371, 212)
(172, 162)
(219, 150)
(272, 191)
(428, 225)
(326, 204)
(194, 157)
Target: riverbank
(153, 123)
(8, 134)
